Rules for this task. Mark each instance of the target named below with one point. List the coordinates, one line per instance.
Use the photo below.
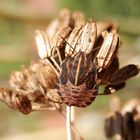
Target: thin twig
(68, 122)
(72, 121)
(62, 114)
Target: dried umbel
(82, 39)
(97, 65)
(125, 123)
(38, 75)
(52, 41)
(76, 58)
(37, 83)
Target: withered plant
(124, 123)
(77, 57)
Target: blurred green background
(18, 21)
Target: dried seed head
(15, 100)
(73, 47)
(131, 105)
(129, 126)
(45, 74)
(36, 76)
(64, 20)
(43, 44)
(126, 121)
(21, 103)
(58, 41)
(59, 28)
(108, 49)
(88, 37)
(109, 124)
(82, 39)
(118, 124)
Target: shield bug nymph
(77, 80)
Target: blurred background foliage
(18, 21)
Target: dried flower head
(34, 77)
(124, 123)
(38, 83)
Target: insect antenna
(69, 45)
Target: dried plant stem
(59, 55)
(55, 63)
(62, 114)
(68, 123)
(72, 122)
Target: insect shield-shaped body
(77, 81)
